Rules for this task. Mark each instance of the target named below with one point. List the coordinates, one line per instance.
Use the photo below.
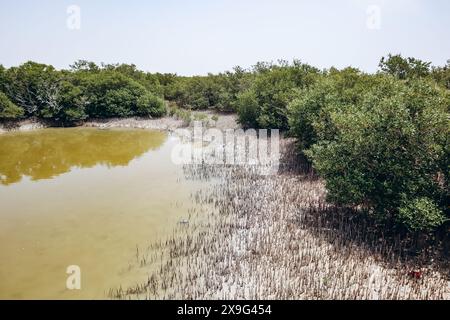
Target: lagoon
(86, 197)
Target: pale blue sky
(194, 37)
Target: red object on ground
(416, 274)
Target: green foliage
(272, 85)
(442, 75)
(2, 78)
(232, 84)
(34, 87)
(404, 68)
(87, 90)
(150, 105)
(200, 117)
(168, 82)
(198, 93)
(310, 110)
(248, 109)
(183, 114)
(210, 92)
(272, 89)
(389, 147)
(421, 214)
(111, 94)
(9, 110)
(148, 80)
(84, 65)
(73, 104)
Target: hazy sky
(200, 36)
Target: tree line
(380, 141)
(85, 91)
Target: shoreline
(166, 123)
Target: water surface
(83, 197)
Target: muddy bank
(209, 118)
(275, 237)
(167, 123)
(23, 125)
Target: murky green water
(84, 197)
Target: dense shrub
(404, 68)
(148, 80)
(33, 87)
(168, 83)
(310, 109)
(389, 153)
(274, 87)
(421, 214)
(87, 90)
(72, 102)
(9, 110)
(248, 109)
(150, 105)
(232, 84)
(219, 92)
(199, 93)
(111, 94)
(442, 75)
(3, 78)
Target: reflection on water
(47, 153)
(84, 197)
